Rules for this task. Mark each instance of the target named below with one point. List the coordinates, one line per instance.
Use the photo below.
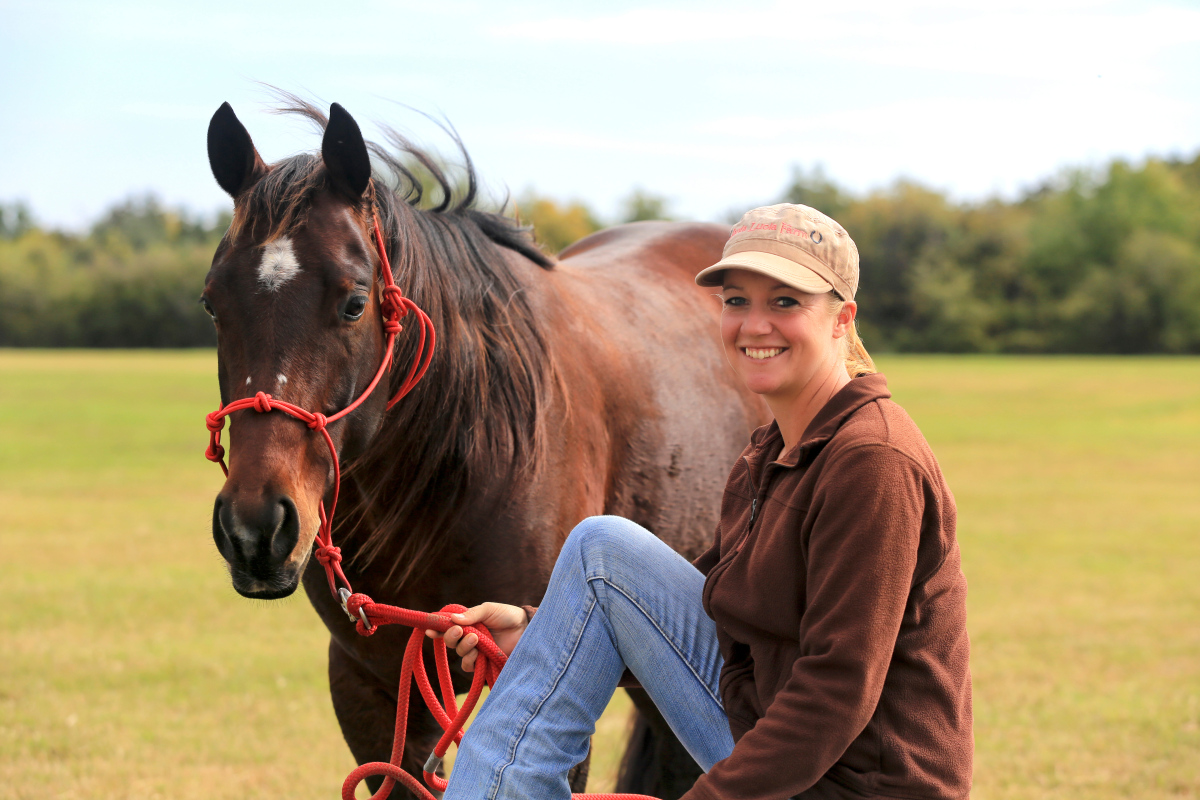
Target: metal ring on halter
(344, 595)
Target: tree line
(1102, 260)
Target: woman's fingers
(473, 614)
(452, 635)
(467, 645)
(504, 621)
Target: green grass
(129, 668)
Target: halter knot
(214, 421)
(354, 604)
(392, 326)
(215, 452)
(262, 402)
(317, 423)
(394, 303)
(328, 554)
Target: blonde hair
(854, 352)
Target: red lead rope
(366, 614)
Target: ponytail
(854, 352)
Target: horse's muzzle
(257, 540)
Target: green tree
(132, 281)
(15, 220)
(555, 225)
(813, 188)
(641, 206)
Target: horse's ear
(345, 154)
(235, 163)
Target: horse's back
(669, 247)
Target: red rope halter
(393, 306)
(366, 614)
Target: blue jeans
(618, 597)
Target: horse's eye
(208, 308)
(355, 307)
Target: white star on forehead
(278, 265)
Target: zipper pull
(753, 507)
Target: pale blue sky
(709, 104)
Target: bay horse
(593, 383)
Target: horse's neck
(455, 449)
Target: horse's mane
(476, 420)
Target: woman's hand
(506, 623)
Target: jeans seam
(666, 637)
(494, 789)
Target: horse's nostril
(222, 526)
(287, 531)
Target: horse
(591, 383)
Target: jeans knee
(601, 541)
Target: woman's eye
(786, 302)
(208, 309)
(355, 307)
(735, 301)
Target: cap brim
(782, 269)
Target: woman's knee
(604, 540)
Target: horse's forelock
(277, 204)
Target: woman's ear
(845, 318)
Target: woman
(819, 648)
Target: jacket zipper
(726, 559)
(753, 510)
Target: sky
(710, 105)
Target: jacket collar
(851, 397)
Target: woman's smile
(762, 353)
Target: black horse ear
(345, 154)
(235, 163)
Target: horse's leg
(366, 711)
(655, 763)
(577, 778)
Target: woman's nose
(757, 322)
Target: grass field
(129, 668)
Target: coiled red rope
(366, 614)
(370, 615)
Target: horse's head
(293, 294)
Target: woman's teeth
(763, 352)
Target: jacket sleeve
(861, 558)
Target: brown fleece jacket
(840, 606)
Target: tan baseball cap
(798, 245)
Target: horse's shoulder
(689, 242)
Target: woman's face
(776, 337)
